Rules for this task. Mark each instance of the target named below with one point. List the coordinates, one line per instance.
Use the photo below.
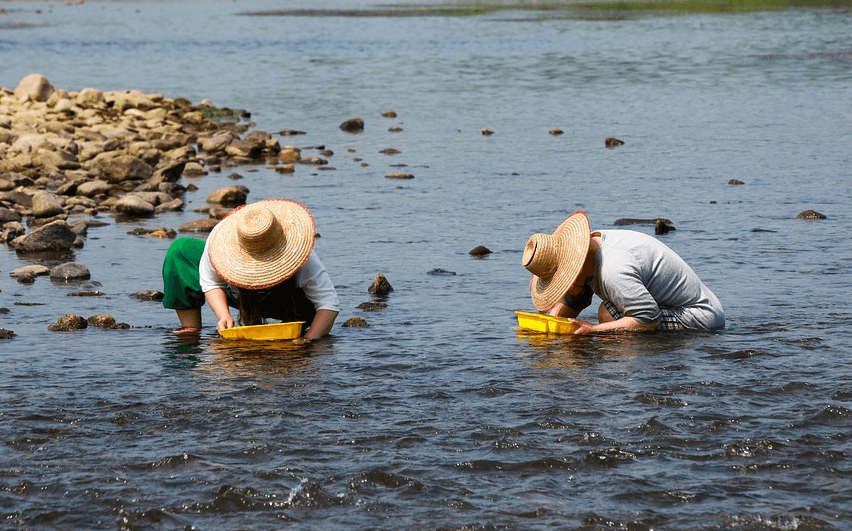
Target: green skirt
(181, 286)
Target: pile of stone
(121, 152)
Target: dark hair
(284, 302)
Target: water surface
(439, 415)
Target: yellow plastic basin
(264, 332)
(545, 324)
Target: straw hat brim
(572, 238)
(242, 268)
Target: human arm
(218, 301)
(320, 326)
(626, 324)
(315, 281)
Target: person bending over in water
(644, 285)
(258, 259)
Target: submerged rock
(663, 226)
(399, 175)
(353, 125)
(612, 142)
(6, 334)
(810, 214)
(148, 295)
(69, 322)
(70, 271)
(356, 322)
(480, 250)
(372, 306)
(380, 286)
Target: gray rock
(55, 236)
(353, 125)
(119, 169)
(46, 205)
(35, 87)
(148, 295)
(133, 205)
(231, 196)
(93, 188)
(70, 271)
(7, 214)
(35, 269)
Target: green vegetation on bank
(564, 9)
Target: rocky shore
(67, 158)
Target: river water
(440, 415)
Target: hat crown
(259, 230)
(541, 255)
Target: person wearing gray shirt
(644, 285)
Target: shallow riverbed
(439, 415)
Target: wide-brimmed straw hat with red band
(262, 244)
(555, 260)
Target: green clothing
(181, 287)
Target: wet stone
(6, 334)
(380, 286)
(356, 322)
(55, 236)
(399, 175)
(480, 250)
(70, 271)
(148, 295)
(86, 294)
(102, 321)
(663, 226)
(198, 225)
(810, 214)
(353, 125)
(231, 196)
(438, 272)
(69, 322)
(612, 142)
(34, 269)
(372, 306)
(735, 182)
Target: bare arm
(218, 301)
(626, 323)
(320, 326)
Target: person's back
(640, 274)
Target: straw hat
(262, 244)
(555, 260)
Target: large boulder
(46, 205)
(55, 236)
(70, 271)
(35, 87)
(125, 168)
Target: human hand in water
(302, 340)
(225, 322)
(582, 327)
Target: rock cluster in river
(115, 152)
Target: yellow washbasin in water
(264, 332)
(545, 324)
